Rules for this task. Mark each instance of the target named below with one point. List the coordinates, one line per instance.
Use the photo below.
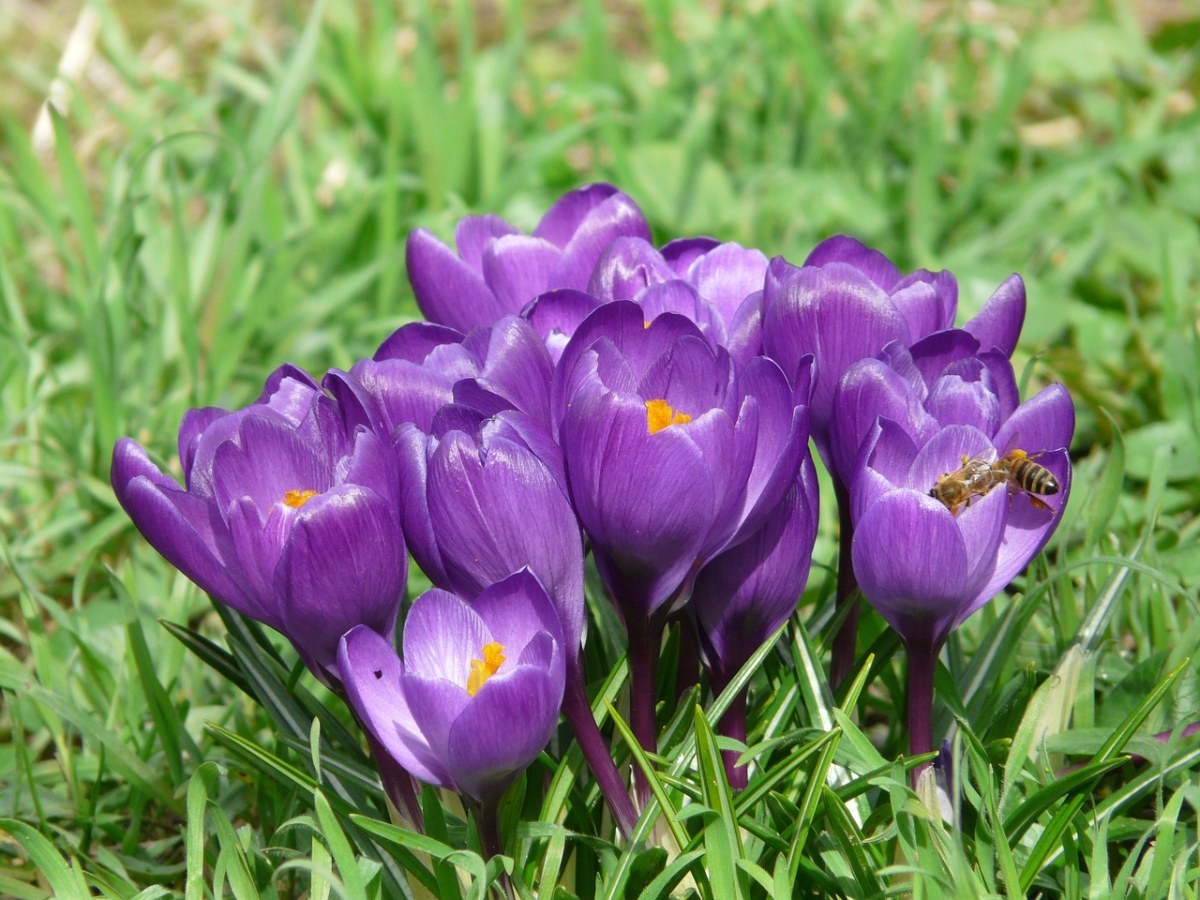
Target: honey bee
(977, 476)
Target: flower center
(659, 415)
(296, 499)
(483, 669)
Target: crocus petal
(843, 249)
(371, 672)
(726, 276)
(485, 751)
(1046, 421)
(269, 460)
(982, 525)
(933, 353)
(911, 564)
(615, 217)
(517, 366)
(680, 297)
(868, 390)
(1029, 528)
(927, 301)
(517, 608)
(193, 424)
(442, 634)
(945, 452)
(178, 525)
(999, 322)
(834, 312)
(681, 253)
(435, 704)
(412, 448)
(343, 565)
(518, 268)
(473, 234)
(744, 340)
(556, 314)
(964, 399)
(415, 342)
(448, 290)
(626, 268)
(647, 501)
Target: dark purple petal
(268, 460)
(911, 564)
(448, 290)
(961, 397)
(681, 298)
(834, 312)
(999, 322)
(842, 249)
(371, 674)
(193, 425)
(868, 390)
(502, 730)
(982, 525)
(681, 253)
(496, 509)
(927, 301)
(646, 500)
(415, 342)
(343, 565)
(883, 463)
(435, 704)
(412, 448)
(518, 367)
(932, 354)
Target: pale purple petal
(843, 249)
(999, 322)
(518, 268)
(1046, 421)
(473, 234)
(442, 634)
(448, 290)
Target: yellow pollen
(296, 499)
(659, 415)
(483, 669)
(645, 323)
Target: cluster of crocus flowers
(579, 390)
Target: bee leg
(1037, 503)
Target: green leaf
(66, 881)
(722, 838)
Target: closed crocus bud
(476, 696)
(423, 367)
(288, 514)
(498, 270)
(479, 502)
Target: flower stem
(845, 642)
(645, 644)
(922, 663)
(578, 713)
(487, 818)
(397, 784)
(733, 725)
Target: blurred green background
(224, 186)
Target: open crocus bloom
(498, 270)
(671, 454)
(477, 694)
(927, 568)
(289, 514)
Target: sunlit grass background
(227, 186)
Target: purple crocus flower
(718, 286)
(845, 304)
(484, 497)
(498, 270)
(671, 456)
(742, 597)
(288, 514)
(925, 564)
(847, 301)
(423, 367)
(475, 697)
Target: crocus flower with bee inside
(925, 563)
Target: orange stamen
(483, 669)
(660, 415)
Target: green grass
(230, 189)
